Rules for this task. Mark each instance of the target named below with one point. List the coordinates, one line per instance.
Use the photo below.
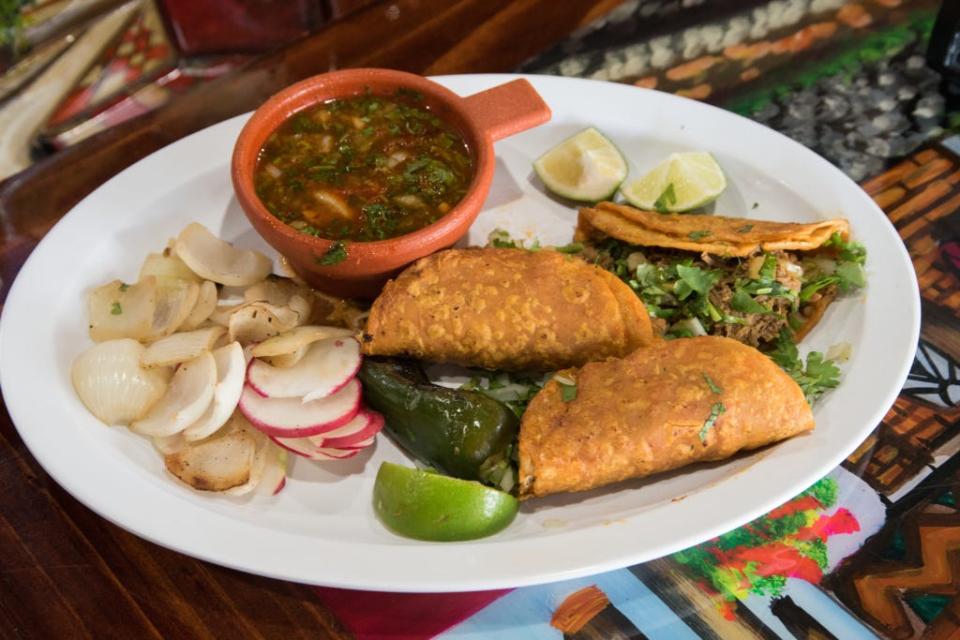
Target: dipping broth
(368, 167)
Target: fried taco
(507, 309)
(660, 408)
(751, 280)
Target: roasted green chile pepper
(465, 434)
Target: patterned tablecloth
(874, 547)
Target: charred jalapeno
(462, 433)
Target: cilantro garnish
(814, 377)
(744, 303)
(116, 309)
(336, 254)
(666, 200)
(124, 286)
(381, 220)
(710, 383)
(715, 412)
(514, 390)
(849, 251)
(698, 235)
(696, 280)
(573, 247)
(500, 239)
(568, 392)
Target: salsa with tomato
(365, 168)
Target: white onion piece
(189, 395)
(257, 321)
(181, 346)
(175, 300)
(166, 266)
(286, 360)
(275, 472)
(296, 339)
(274, 289)
(112, 384)
(840, 352)
(214, 259)
(220, 463)
(257, 466)
(169, 444)
(221, 314)
(302, 306)
(118, 310)
(231, 370)
(206, 304)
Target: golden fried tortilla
(650, 412)
(718, 235)
(506, 309)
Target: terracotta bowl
(481, 119)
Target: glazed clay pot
(481, 119)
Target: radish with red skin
(327, 366)
(292, 418)
(309, 449)
(373, 426)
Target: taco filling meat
(754, 296)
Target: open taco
(750, 280)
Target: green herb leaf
(568, 392)
(336, 254)
(715, 412)
(124, 286)
(573, 247)
(710, 383)
(768, 272)
(699, 235)
(744, 303)
(666, 200)
(851, 276)
(747, 228)
(696, 278)
(849, 251)
(814, 377)
(116, 309)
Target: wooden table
(66, 572)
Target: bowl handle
(507, 109)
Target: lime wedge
(428, 506)
(586, 167)
(682, 182)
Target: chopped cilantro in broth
(364, 168)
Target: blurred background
(73, 68)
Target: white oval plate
(322, 529)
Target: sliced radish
(187, 398)
(349, 440)
(364, 444)
(231, 366)
(327, 366)
(358, 424)
(308, 448)
(292, 418)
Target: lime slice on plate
(428, 506)
(682, 182)
(586, 167)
